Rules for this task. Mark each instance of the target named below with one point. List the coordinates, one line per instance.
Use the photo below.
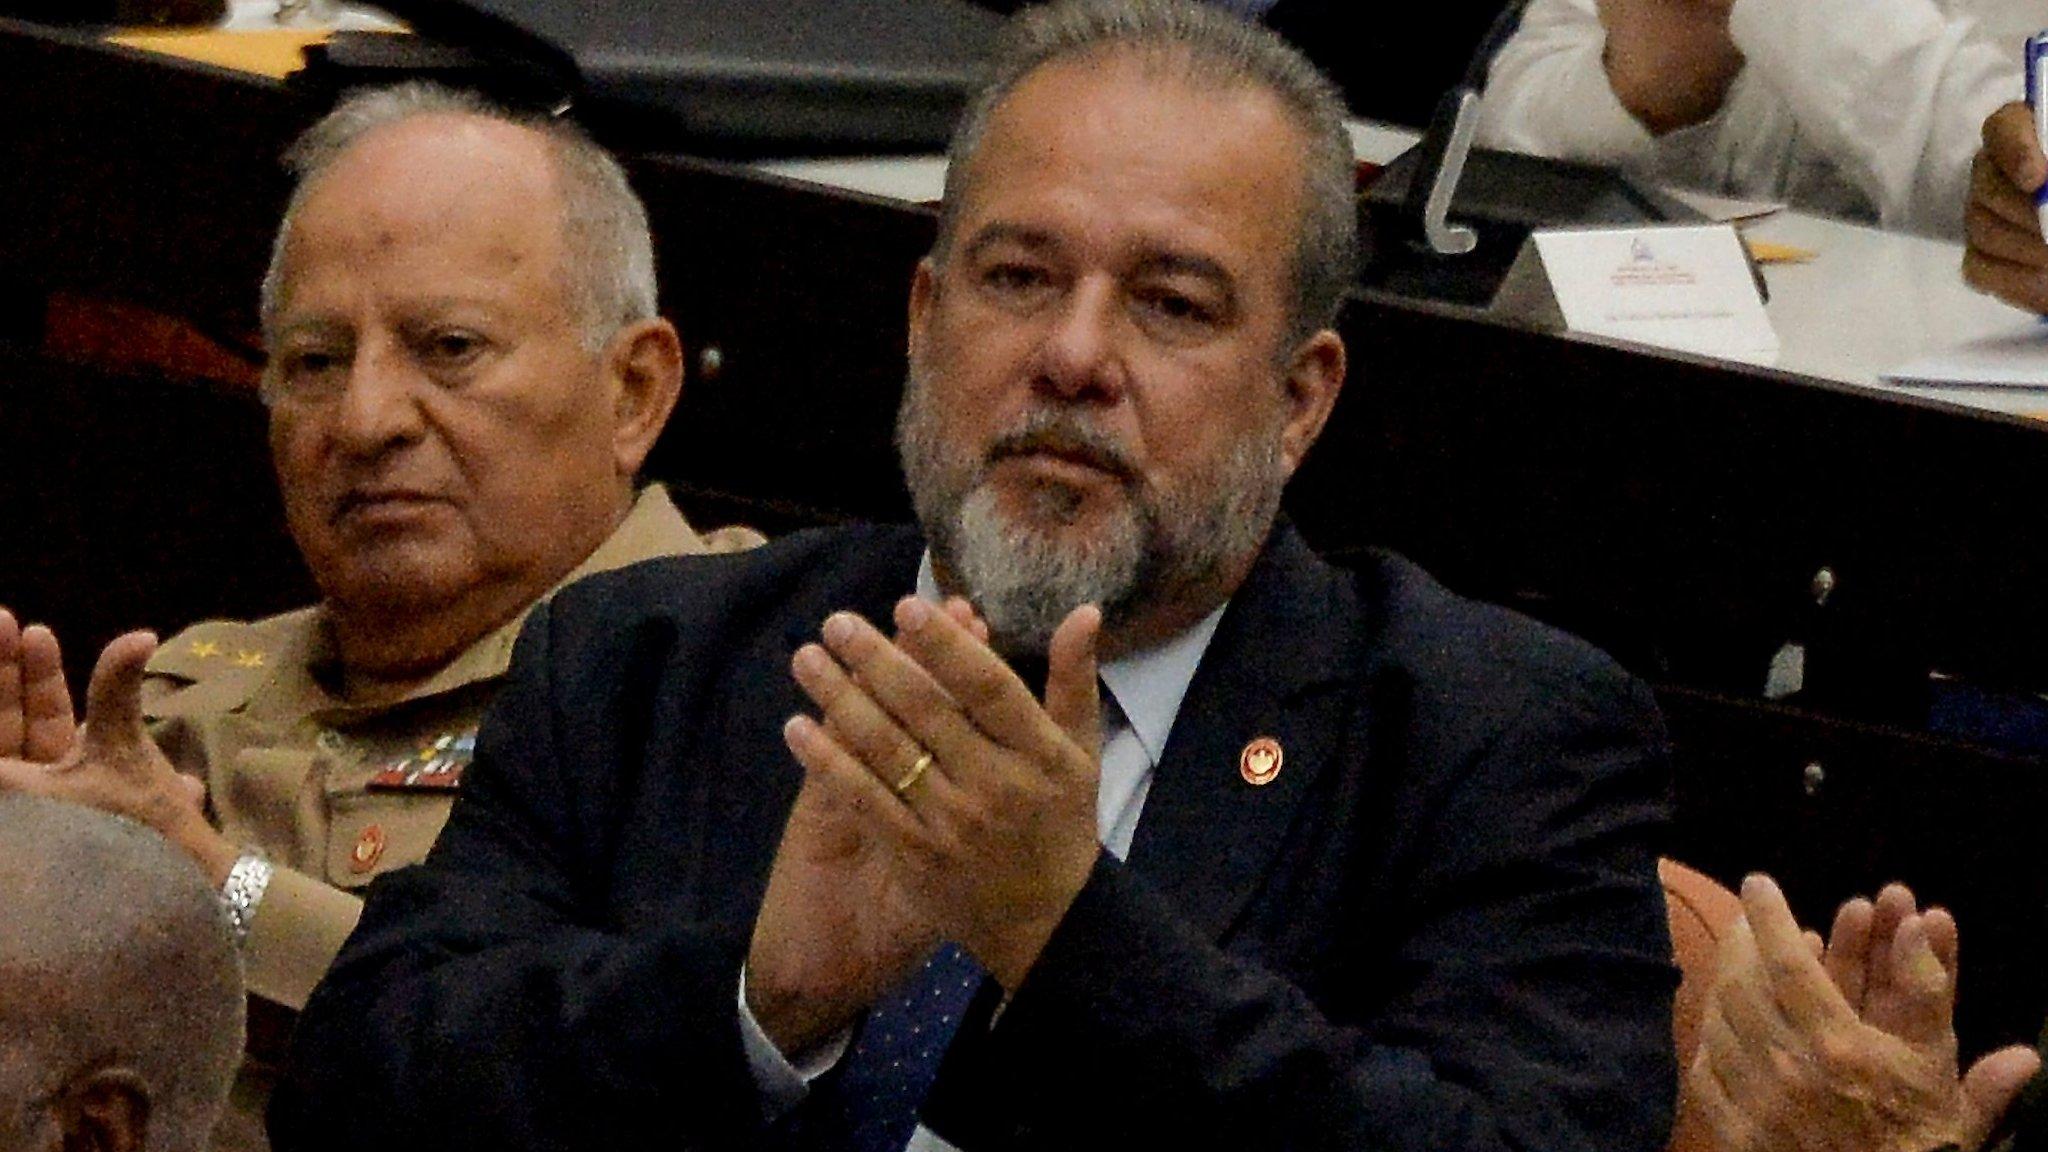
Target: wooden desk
(1674, 508)
(138, 178)
(1867, 302)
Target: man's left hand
(1003, 829)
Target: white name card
(1687, 287)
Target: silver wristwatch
(243, 891)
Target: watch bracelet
(242, 892)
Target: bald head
(120, 991)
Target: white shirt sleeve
(783, 1082)
(1887, 95)
(1893, 92)
(1547, 93)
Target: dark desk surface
(1676, 511)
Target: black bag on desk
(726, 77)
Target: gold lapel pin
(1260, 761)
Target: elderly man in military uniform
(466, 371)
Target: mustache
(1062, 434)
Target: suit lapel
(1281, 655)
(880, 568)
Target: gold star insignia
(205, 648)
(248, 659)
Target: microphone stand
(1447, 142)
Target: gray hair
(609, 253)
(1211, 48)
(115, 951)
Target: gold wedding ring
(916, 773)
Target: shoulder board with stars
(208, 668)
(211, 649)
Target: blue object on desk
(1990, 718)
(2037, 100)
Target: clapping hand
(942, 799)
(110, 762)
(1844, 1044)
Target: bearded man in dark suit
(792, 850)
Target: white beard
(1025, 575)
(1025, 580)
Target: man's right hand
(1878, 954)
(1669, 62)
(1851, 1051)
(837, 926)
(2006, 256)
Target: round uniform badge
(368, 850)
(1260, 761)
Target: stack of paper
(2013, 359)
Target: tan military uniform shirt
(338, 794)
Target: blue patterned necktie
(873, 1102)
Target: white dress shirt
(1869, 109)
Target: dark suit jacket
(1439, 928)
